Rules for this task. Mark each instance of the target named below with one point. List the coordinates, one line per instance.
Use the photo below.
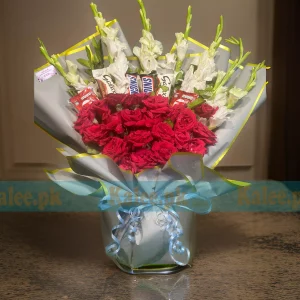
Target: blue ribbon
(172, 225)
(167, 218)
(134, 220)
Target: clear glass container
(149, 239)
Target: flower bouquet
(144, 131)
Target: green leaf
(252, 81)
(89, 72)
(143, 14)
(179, 76)
(72, 92)
(89, 54)
(233, 41)
(84, 63)
(163, 88)
(98, 59)
(95, 44)
(170, 123)
(95, 10)
(196, 91)
(188, 23)
(196, 103)
(219, 29)
(42, 44)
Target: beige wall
(25, 149)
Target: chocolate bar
(105, 82)
(87, 96)
(181, 97)
(148, 83)
(165, 82)
(133, 84)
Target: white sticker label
(46, 73)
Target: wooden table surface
(60, 256)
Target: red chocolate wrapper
(87, 96)
(181, 97)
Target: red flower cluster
(205, 111)
(141, 131)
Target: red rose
(131, 117)
(112, 100)
(157, 104)
(131, 101)
(186, 120)
(175, 111)
(205, 110)
(204, 134)
(181, 138)
(116, 149)
(195, 146)
(127, 164)
(96, 133)
(85, 119)
(163, 132)
(139, 138)
(150, 119)
(114, 123)
(143, 159)
(163, 151)
(101, 110)
(81, 124)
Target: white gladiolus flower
(220, 98)
(77, 81)
(118, 71)
(182, 46)
(147, 60)
(153, 46)
(72, 68)
(219, 117)
(111, 33)
(113, 46)
(169, 63)
(188, 81)
(72, 78)
(212, 51)
(235, 94)
(206, 70)
(191, 82)
(100, 22)
(82, 85)
(110, 38)
(179, 37)
(148, 52)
